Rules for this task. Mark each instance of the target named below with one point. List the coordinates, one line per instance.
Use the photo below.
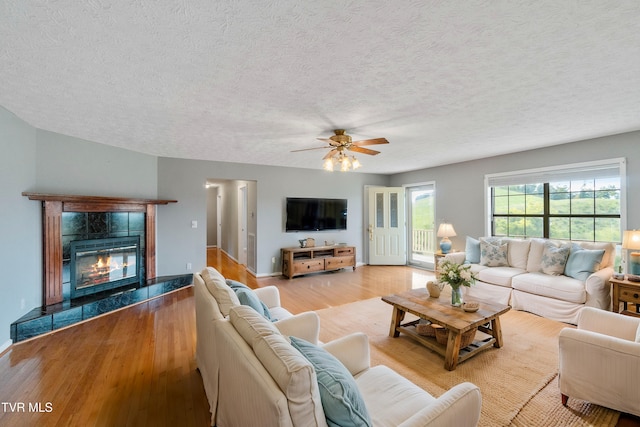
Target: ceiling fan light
(355, 163)
(345, 164)
(328, 165)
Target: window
(573, 202)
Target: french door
(420, 224)
(386, 228)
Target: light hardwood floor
(136, 366)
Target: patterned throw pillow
(493, 253)
(554, 258)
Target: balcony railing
(423, 242)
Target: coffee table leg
(497, 332)
(396, 319)
(453, 350)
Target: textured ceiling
(247, 81)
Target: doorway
(421, 225)
(386, 229)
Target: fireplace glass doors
(103, 264)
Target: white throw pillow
(518, 253)
(535, 255)
(554, 258)
(493, 254)
(217, 286)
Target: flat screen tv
(305, 214)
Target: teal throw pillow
(582, 262)
(341, 399)
(246, 296)
(472, 251)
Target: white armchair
(600, 360)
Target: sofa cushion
(394, 403)
(217, 286)
(472, 251)
(638, 334)
(554, 258)
(493, 255)
(343, 405)
(518, 253)
(247, 296)
(500, 276)
(582, 262)
(250, 324)
(558, 287)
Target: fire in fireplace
(103, 264)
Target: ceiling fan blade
(371, 142)
(329, 141)
(363, 150)
(330, 154)
(314, 148)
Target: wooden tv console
(297, 261)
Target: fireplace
(98, 265)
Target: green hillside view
(422, 213)
(565, 199)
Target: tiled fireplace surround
(69, 218)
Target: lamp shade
(446, 230)
(630, 240)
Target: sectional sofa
(551, 278)
(258, 371)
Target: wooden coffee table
(457, 321)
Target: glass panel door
(421, 234)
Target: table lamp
(445, 231)
(631, 242)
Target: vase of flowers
(456, 275)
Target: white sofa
(600, 360)
(530, 277)
(265, 381)
(213, 299)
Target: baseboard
(5, 346)
(277, 273)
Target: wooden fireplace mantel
(53, 205)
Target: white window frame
(557, 173)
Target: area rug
(519, 377)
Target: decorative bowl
(470, 306)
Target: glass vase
(456, 296)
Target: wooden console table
(297, 261)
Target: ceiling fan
(339, 144)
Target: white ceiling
(249, 81)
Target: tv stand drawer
(334, 263)
(302, 267)
(343, 251)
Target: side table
(624, 291)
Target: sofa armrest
(270, 295)
(608, 323)
(599, 368)
(304, 325)
(598, 289)
(352, 350)
(457, 257)
(460, 406)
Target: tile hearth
(41, 321)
